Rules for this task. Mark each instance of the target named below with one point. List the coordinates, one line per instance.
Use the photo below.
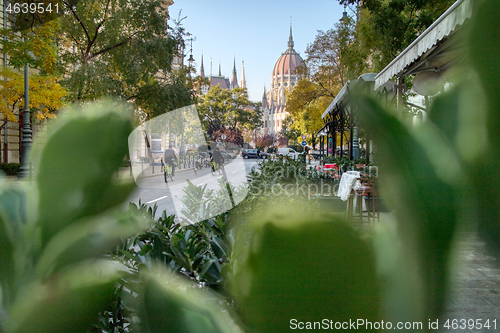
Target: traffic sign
(304, 143)
(303, 137)
(223, 136)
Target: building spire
(219, 71)
(202, 69)
(264, 99)
(243, 81)
(290, 39)
(234, 79)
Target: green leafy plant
(57, 234)
(54, 276)
(197, 251)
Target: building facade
(283, 79)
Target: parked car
(228, 155)
(249, 153)
(288, 152)
(316, 154)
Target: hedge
(10, 169)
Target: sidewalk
(475, 290)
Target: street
(167, 196)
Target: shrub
(10, 169)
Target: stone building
(283, 78)
(222, 81)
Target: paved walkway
(475, 292)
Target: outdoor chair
(367, 193)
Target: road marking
(235, 171)
(155, 200)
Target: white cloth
(348, 182)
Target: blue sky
(254, 31)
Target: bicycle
(168, 172)
(216, 167)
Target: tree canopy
(122, 48)
(306, 103)
(45, 95)
(224, 108)
(35, 48)
(335, 56)
(391, 25)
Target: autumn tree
(123, 48)
(45, 95)
(306, 103)
(35, 48)
(264, 140)
(289, 130)
(233, 136)
(336, 56)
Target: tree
(223, 108)
(288, 129)
(45, 95)
(306, 103)
(391, 25)
(232, 136)
(336, 56)
(37, 49)
(264, 141)
(123, 48)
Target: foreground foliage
(285, 261)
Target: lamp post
(191, 59)
(355, 143)
(26, 141)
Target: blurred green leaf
(444, 113)
(69, 302)
(484, 49)
(423, 179)
(87, 239)
(290, 266)
(13, 216)
(76, 168)
(171, 304)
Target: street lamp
(191, 59)
(26, 141)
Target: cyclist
(170, 157)
(217, 157)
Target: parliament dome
(288, 61)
